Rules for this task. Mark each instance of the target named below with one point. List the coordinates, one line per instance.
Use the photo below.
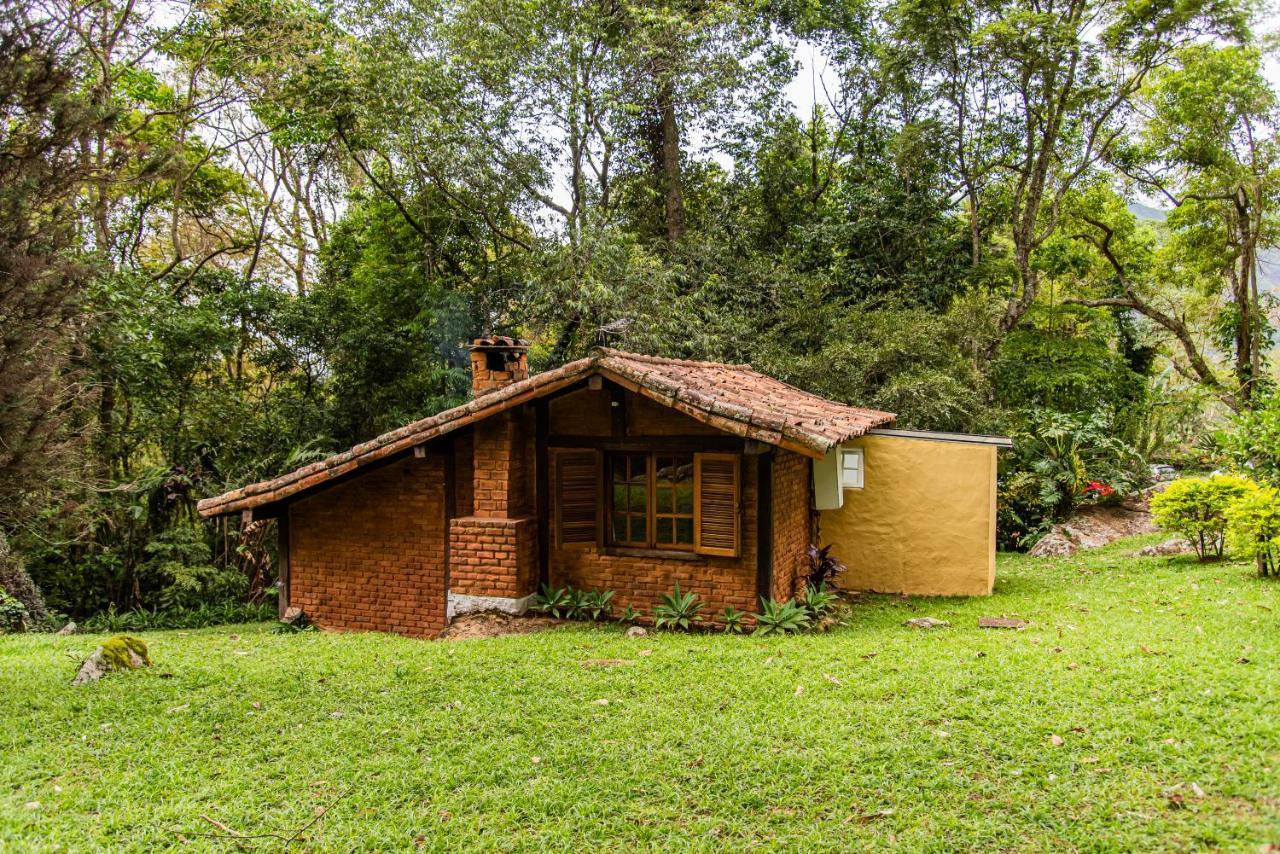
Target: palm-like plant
(677, 610)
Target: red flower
(1099, 489)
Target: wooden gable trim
(719, 422)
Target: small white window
(851, 468)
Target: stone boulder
(926, 623)
(1097, 525)
(122, 652)
(1176, 546)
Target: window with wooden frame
(652, 500)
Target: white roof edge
(963, 438)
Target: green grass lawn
(1154, 673)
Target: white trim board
(935, 436)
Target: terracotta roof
(734, 398)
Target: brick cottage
(615, 472)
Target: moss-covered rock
(116, 653)
(122, 652)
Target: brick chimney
(497, 361)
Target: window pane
(619, 468)
(662, 499)
(638, 501)
(684, 531)
(639, 534)
(684, 498)
(663, 534)
(619, 497)
(619, 527)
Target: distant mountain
(1147, 212)
(1268, 259)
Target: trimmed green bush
(1253, 528)
(1196, 508)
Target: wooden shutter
(577, 498)
(715, 505)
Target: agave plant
(677, 610)
(817, 600)
(780, 618)
(556, 602)
(733, 620)
(595, 604)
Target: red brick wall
(369, 554)
(493, 557)
(791, 523)
(503, 466)
(640, 581)
(484, 380)
(463, 474)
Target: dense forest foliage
(237, 235)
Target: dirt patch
(492, 624)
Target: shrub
(780, 618)
(16, 582)
(1253, 527)
(13, 614)
(823, 566)
(1255, 440)
(1196, 508)
(629, 615)
(200, 617)
(816, 600)
(733, 620)
(1058, 461)
(677, 610)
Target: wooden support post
(282, 560)
(764, 526)
(542, 487)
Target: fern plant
(677, 610)
(780, 618)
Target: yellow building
(912, 512)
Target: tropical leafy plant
(629, 614)
(780, 618)
(733, 620)
(199, 617)
(823, 566)
(677, 610)
(13, 614)
(1195, 508)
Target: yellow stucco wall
(923, 524)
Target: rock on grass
(122, 652)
